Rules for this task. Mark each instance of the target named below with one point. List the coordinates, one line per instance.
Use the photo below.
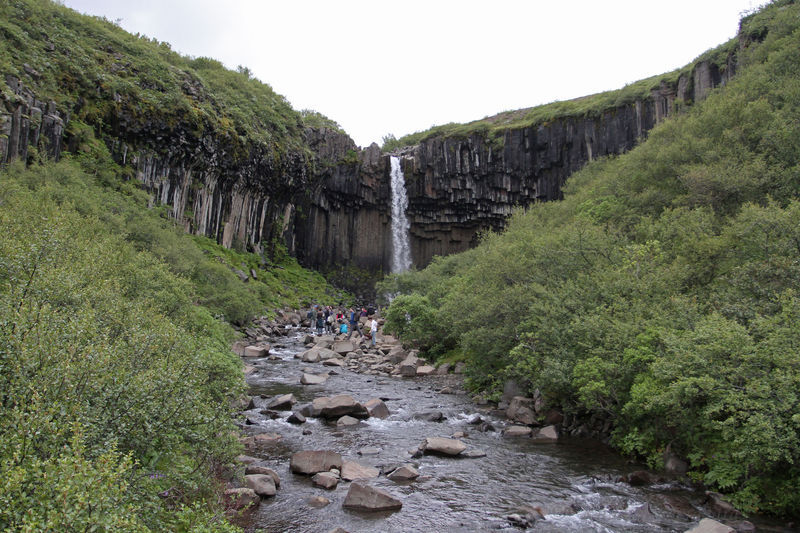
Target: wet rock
(458, 435)
(443, 446)
(263, 470)
(313, 461)
(352, 470)
(404, 473)
(326, 480)
(310, 356)
(336, 406)
(377, 408)
(430, 416)
(347, 421)
(546, 434)
(283, 402)
(446, 390)
(269, 413)
(262, 484)
(308, 410)
(256, 351)
(473, 454)
(707, 525)
(318, 502)
(408, 368)
(474, 420)
(308, 339)
(520, 410)
(719, 506)
(369, 450)
(242, 498)
(364, 497)
(296, 418)
(246, 459)
(313, 379)
(517, 431)
(640, 478)
(333, 362)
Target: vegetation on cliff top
(493, 128)
(662, 294)
(102, 75)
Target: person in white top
(373, 330)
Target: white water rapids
(401, 247)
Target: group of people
(342, 321)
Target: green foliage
(662, 294)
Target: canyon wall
(330, 204)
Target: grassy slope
(662, 293)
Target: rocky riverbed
(343, 435)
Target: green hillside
(662, 295)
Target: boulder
(347, 421)
(408, 368)
(326, 354)
(352, 470)
(308, 339)
(262, 484)
(263, 470)
(310, 356)
(404, 473)
(284, 402)
(296, 418)
(246, 459)
(256, 351)
(313, 379)
(719, 506)
(308, 410)
(517, 431)
(313, 461)
(520, 409)
(546, 434)
(377, 408)
(336, 406)
(430, 416)
(364, 497)
(707, 525)
(343, 347)
(443, 369)
(443, 446)
(333, 362)
(425, 370)
(266, 438)
(242, 498)
(326, 480)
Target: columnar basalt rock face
(27, 122)
(331, 203)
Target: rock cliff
(328, 200)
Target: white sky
(380, 66)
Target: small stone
(404, 473)
(473, 454)
(369, 450)
(296, 418)
(318, 502)
(313, 379)
(517, 431)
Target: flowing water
(401, 247)
(574, 481)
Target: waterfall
(401, 247)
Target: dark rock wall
(331, 204)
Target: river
(575, 481)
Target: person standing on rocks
(373, 330)
(354, 325)
(320, 322)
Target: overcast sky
(378, 67)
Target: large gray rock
(425, 370)
(443, 446)
(256, 351)
(364, 497)
(313, 379)
(336, 406)
(262, 484)
(284, 402)
(343, 347)
(326, 480)
(408, 368)
(517, 431)
(546, 434)
(377, 408)
(313, 461)
(347, 421)
(310, 355)
(352, 470)
(707, 525)
(521, 410)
